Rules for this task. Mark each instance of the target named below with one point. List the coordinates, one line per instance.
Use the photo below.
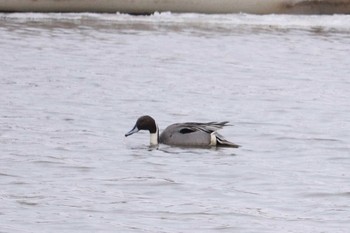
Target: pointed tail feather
(221, 141)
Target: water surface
(73, 84)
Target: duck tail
(222, 142)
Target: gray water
(73, 84)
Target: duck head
(146, 123)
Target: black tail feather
(222, 142)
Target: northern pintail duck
(184, 134)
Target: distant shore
(180, 6)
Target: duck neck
(154, 139)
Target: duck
(188, 134)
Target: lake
(73, 84)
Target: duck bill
(134, 130)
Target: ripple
(47, 162)
(328, 194)
(146, 180)
(27, 203)
(8, 175)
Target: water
(73, 84)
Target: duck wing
(208, 127)
(191, 133)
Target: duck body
(189, 134)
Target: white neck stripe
(154, 137)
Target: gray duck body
(189, 134)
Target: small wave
(8, 175)
(328, 194)
(308, 139)
(27, 203)
(146, 180)
(47, 162)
